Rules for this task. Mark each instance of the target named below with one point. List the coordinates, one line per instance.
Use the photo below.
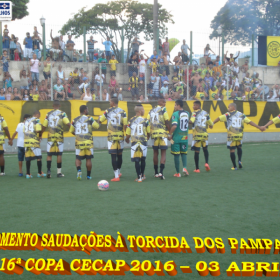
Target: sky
(188, 15)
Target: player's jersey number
(137, 129)
(155, 117)
(81, 128)
(236, 122)
(116, 119)
(53, 121)
(184, 122)
(29, 127)
(201, 122)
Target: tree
(241, 19)
(19, 9)
(108, 19)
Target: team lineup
(157, 126)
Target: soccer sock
(78, 168)
(196, 160)
(28, 164)
(88, 173)
(114, 162)
(49, 164)
(184, 160)
(161, 168)
(177, 163)
(116, 172)
(119, 161)
(206, 154)
(39, 164)
(156, 169)
(232, 156)
(2, 168)
(239, 153)
(143, 165)
(138, 169)
(59, 168)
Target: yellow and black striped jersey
(116, 120)
(157, 117)
(82, 127)
(54, 121)
(200, 120)
(3, 124)
(31, 128)
(138, 128)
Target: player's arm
(12, 139)
(128, 133)
(38, 128)
(72, 129)
(192, 119)
(166, 120)
(5, 127)
(45, 125)
(222, 118)
(209, 122)
(95, 124)
(103, 117)
(124, 122)
(248, 121)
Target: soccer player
(200, 119)
(20, 142)
(116, 125)
(54, 121)
(159, 122)
(33, 129)
(235, 125)
(275, 120)
(138, 129)
(179, 137)
(82, 127)
(3, 131)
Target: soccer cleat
(79, 175)
(41, 175)
(156, 176)
(2, 174)
(240, 164)
(28, 176)
(59, 175)
(139, 180)
(177, 175)
(234, 168)
(143, 177)
(161, 176)
(48, 174)
(20, 175)
(185, 172)
(120, 175)
(196, 171)
(115, 180)
(88, 178)
(207, 167)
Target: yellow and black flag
(269, 50)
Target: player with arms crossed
(159, 122)
(235, 126)
(3, 131)
(200, 119)
(82, 127)
(54, 122)
(116, 125)
(32, 134)
(179, 137)
(138, 129)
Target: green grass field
(221, 203)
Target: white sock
(119, 171)
(58, 170)
(116, 174)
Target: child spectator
(80, 56)
(7, 80)
(2, 94)
(16, 54)
(5, 59)
(13, 47)
(26, 96)
(113, 66)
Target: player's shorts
(32, 153)
(84, 154)
(138, 151)
(21, 153)
(179, 148)
(232, 145)
(160, 143)
(54, 148)
(2, 148)
(197, 144)
(115, 146)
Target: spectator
(47, 69)
(159, 47)
(185, 55)
(118, 94)
(178, 61)
(25, 95)
(195, 81)
(87, 96)
(34, 68)
(69, 48)
(132, 66)
(20, 52)
(34, 85)
(105, 95)
(67, 89)
(154, 55)
(165, 47)
(13, 47)
(91, 43)
(244, 69)
(93, 94)
(36, 41)
(200, 94)
(42, 96)
(28, 43)
(5, 60)
(7, 80)
(142, 71)
(49, 92)
(235, 81)
(175, 78)
(59, 93)
(157, 86)
(113, 66)
(166, 61)
(135, 45)
(179, 90)
(24, 79)
(247, 81)
(161, 67)
(164, 78)
(80, 56)
(207, 54)
(83, 86)
(43, 86)
(133, 83)
(55, 51)
(60, 74)
(17, 95)
(212, 92)
(99, 81)
(235, 69)
(180, 73)
(164, 89)
(272, 97)
(103, 61)
(107, 44)
(256, 81)
(37, 52)
(9, 94)
(217, 61)
(62, 47)
(217, 69)
(74, 77)
(2, 94)
(113, 85)
(36, 96)
(208, 81)
(6, 42)
(151, 85)
(153, 65)
(231, 58)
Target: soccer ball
(103, 185)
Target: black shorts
(185, 58)
(77, 81)
(104, 71)
(47, 76)
(113, 73)
(70, 94)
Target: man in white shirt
(20, 142)
(62, 45)
(184, 49)
(83, 86)
(34, 68)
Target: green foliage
(108, 19)
(240, 19)
(20, 9)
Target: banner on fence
(258, 112)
